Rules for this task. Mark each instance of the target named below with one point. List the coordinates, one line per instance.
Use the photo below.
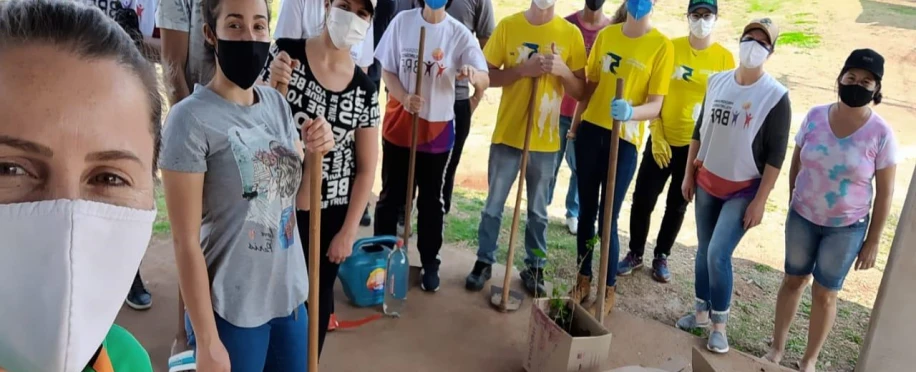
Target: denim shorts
(826, 252)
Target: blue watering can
(363, 273)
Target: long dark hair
(86, 32)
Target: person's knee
(823, 296)
(795, 283)
(718, 264)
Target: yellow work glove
(661, 150)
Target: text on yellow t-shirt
(515, 40)
(645, 63)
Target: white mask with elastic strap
(346, 28)
(65, 269)
(752, 54)
(702, 28)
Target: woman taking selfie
(232, 154)
(840, 149)
(640, 54)
(74, 183)
(321, 82)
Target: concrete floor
(452, 330)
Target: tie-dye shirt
(834, 183)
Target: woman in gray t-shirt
(232, 167)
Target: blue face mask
(436, 4)
(639, 8)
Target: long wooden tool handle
(503, 305)
(408, 204)
(608, 204)
(315, 163)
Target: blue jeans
(279, 345)
(567, 151)
(720, 227)
(827, 252)
(593, 146)
(504, 165)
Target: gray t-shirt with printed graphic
(252, 173)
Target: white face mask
(346, 28)
(752, 54)
(701, 28)
(544, 4)
(65, 269)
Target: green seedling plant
(558, 308)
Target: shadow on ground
(889, 15)
(753, 302)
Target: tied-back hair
(210, 12)
(86, 32)
(620, 15)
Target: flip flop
(182, 362)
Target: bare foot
(804, 366)
(774, 356)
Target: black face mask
(242, 61)
(594, 5)
(855, 95)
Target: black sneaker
(367, 219)
(533, 279)
(430, 280)
(139, 298)
(478, 277)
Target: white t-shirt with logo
(304, 19)
(449, 45)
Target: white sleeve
(365, 55)
(174, 15)
(290, 20)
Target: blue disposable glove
(621, 110)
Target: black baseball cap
(866, 59)
(711, 5)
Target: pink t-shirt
(568, 107)
(834, 183)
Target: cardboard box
(552, 349)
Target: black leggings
(650, 181)
(332, 220)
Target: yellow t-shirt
(692, 68)
(513, 41)
(645, 64)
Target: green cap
(711, 5)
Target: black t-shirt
(346, 111)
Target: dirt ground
(809, 71)
(828, 30)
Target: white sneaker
(572, 223)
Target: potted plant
(563, 335)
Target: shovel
(315, 161)
(408, 204)
(503, 298)
(608, 204)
